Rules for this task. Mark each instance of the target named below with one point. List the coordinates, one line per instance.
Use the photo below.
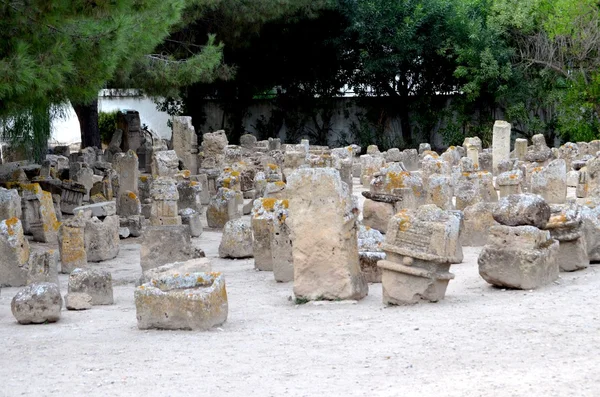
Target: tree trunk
(88, 123)
(405, 123)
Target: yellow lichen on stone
(268, 203)
(404, 223)
(272, 166)
(280, 184)
(395, 180)
(193, 183)
(132, 195)
(143, 178)
(10, 224)
(285, 203)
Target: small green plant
(107, 124)
(302, 301)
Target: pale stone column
(500, 143)
(322, 216)
(473, 154)
(520, 148)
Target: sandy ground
(479, 341)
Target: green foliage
(107, 124)
(28, 131)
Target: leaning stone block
(197, 301)
(37, 303)
(14, 254)
(95, 283)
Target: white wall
(66, 130)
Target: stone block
(222, 208)
(197, 265)
(477, 220)
(165, 163)
(10, 204)
(236, 241)
(78, 301)
(192, 219)
(95, 283)
(521, 257)
(14, 254)
(413, 281)
(166, 244)
(522, 210)
(102, 238)
(129, 204)
(71, 244)
(99, 210)
(194, 302)
(39, 213)
(322, 220)
(377, 214)
(43, 267)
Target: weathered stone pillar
(14, 254)
(520, 148)
(323, 224)
(185, 142)
(500, 143)
(71, 244)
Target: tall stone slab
(500, 143)
(185, 142)
(128, 121)
(14, 254)
(324, 237)
(40, 213)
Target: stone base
(519, 268)
(197, 301)
(411, 284)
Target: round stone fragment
(522, 210)
(37, 303)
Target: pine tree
(56, 51)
